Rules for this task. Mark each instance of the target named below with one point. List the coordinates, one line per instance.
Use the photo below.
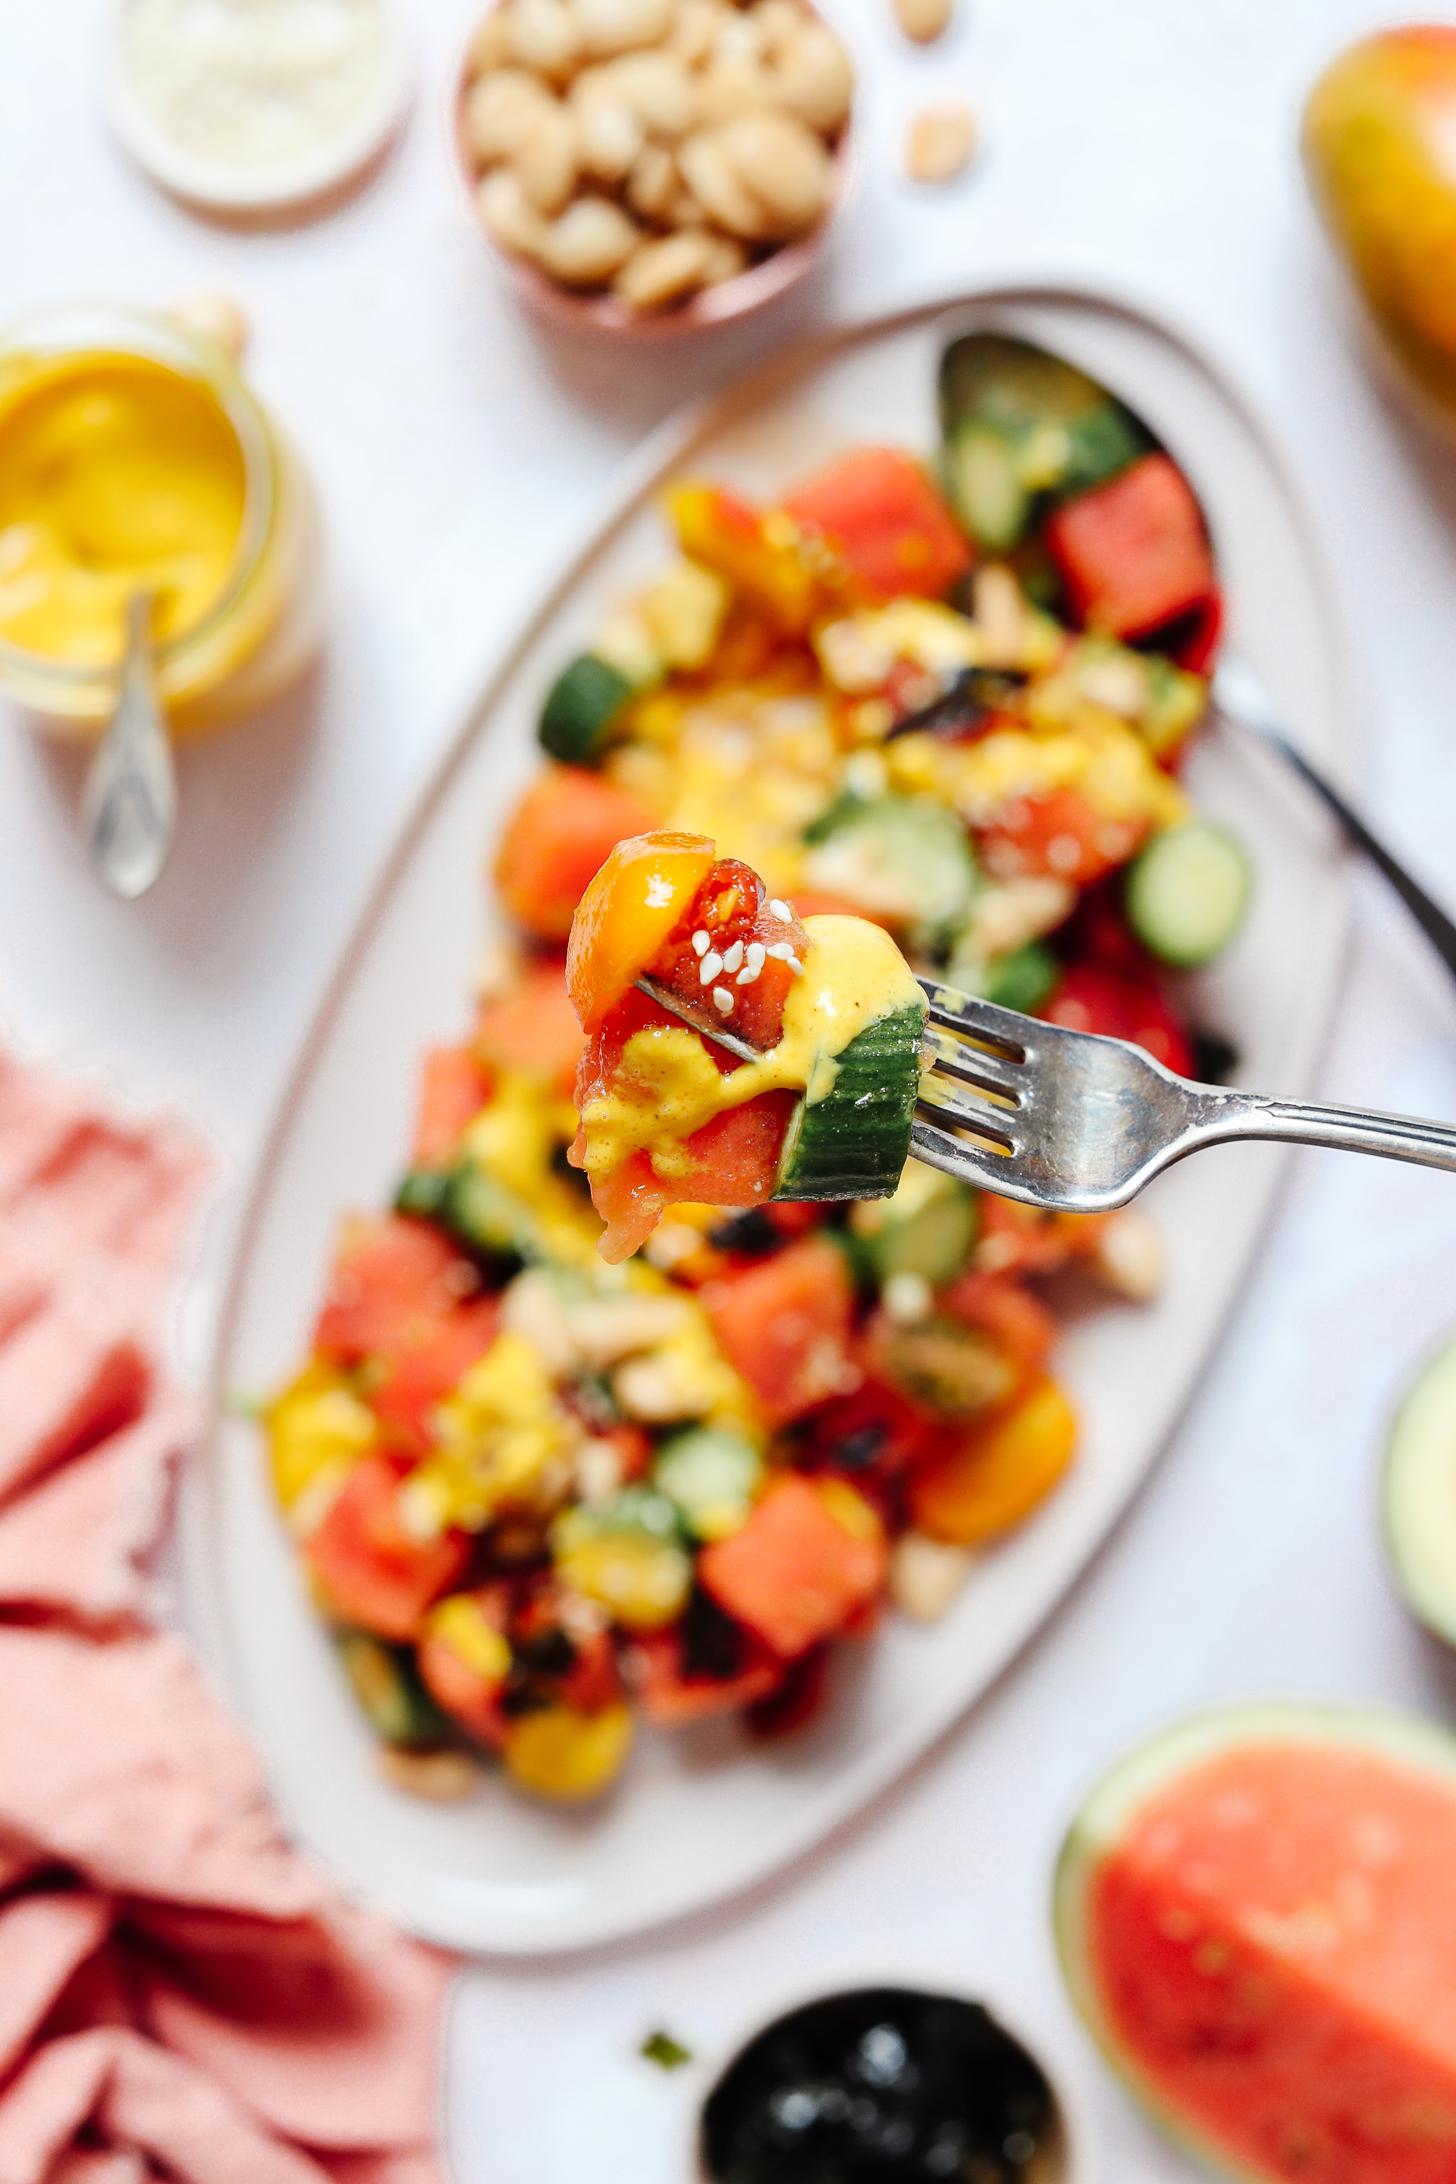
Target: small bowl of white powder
(253, 105)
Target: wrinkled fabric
(182, 1997)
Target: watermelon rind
(1141, 1775)
(1418, 1499)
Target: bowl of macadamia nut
(645, 166)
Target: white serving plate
(703, 1816)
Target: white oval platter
(700, 1818)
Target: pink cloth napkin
(182, 1997)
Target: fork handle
(1345, 1129)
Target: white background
(1149, 142)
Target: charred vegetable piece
(386, 1682)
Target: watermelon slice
(1256, 1916)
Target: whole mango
(1379, 143)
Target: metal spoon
(129, 804)
(1239, 701)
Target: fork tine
(945, 1105)
(979, 1165)
(988, 1072)
(975, 1019)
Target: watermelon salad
(933, 703)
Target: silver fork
(1076, 1123)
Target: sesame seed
(755, 956)
(781, 952)
(733, 957)
(1064, 853)
(722, 1000)
(709, 968)
(748, 976)
(700, 943)
(778, 908)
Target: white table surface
(1149, 142)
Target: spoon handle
(1241, 700)
(130, 801)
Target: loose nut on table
(924, 20)
(941, 142)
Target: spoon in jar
(129, 804)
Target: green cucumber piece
(928, 1227)
(980, 472)
(1021, 979)
(955, 1370)
(424, 1193)
(581, 709)
(904, 858)
(490, 1221)
(1188, 891)
(1100, 444)
(1419, 1496)
(712, 1475)
(386, 1683)
(854, 1139)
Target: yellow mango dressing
(667, 1084)
(135, 457)
(118, 474)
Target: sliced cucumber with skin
(1419, 1496)
(1021, 979)
(1188, 891)
(955, 1370)
(386, 1683)
(424, 1193)
(712, 1476)
(854, 1139)
(581, 709)
(903, 858)
(928, 1227)
(488, 1220)
(1100, 444)
(979, 470)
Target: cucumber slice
(424, 1193)
(903, 858)
(1188, 891)
(1099, 445)
(1419, 1496)
(980, 473)
(581, 709)
(927, 1228)
(1021, 979)
(387, 1685)
(712, 1475)
(491, 1223)
(853, 1140)
(948, 1367)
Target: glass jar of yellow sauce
(135, 457)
